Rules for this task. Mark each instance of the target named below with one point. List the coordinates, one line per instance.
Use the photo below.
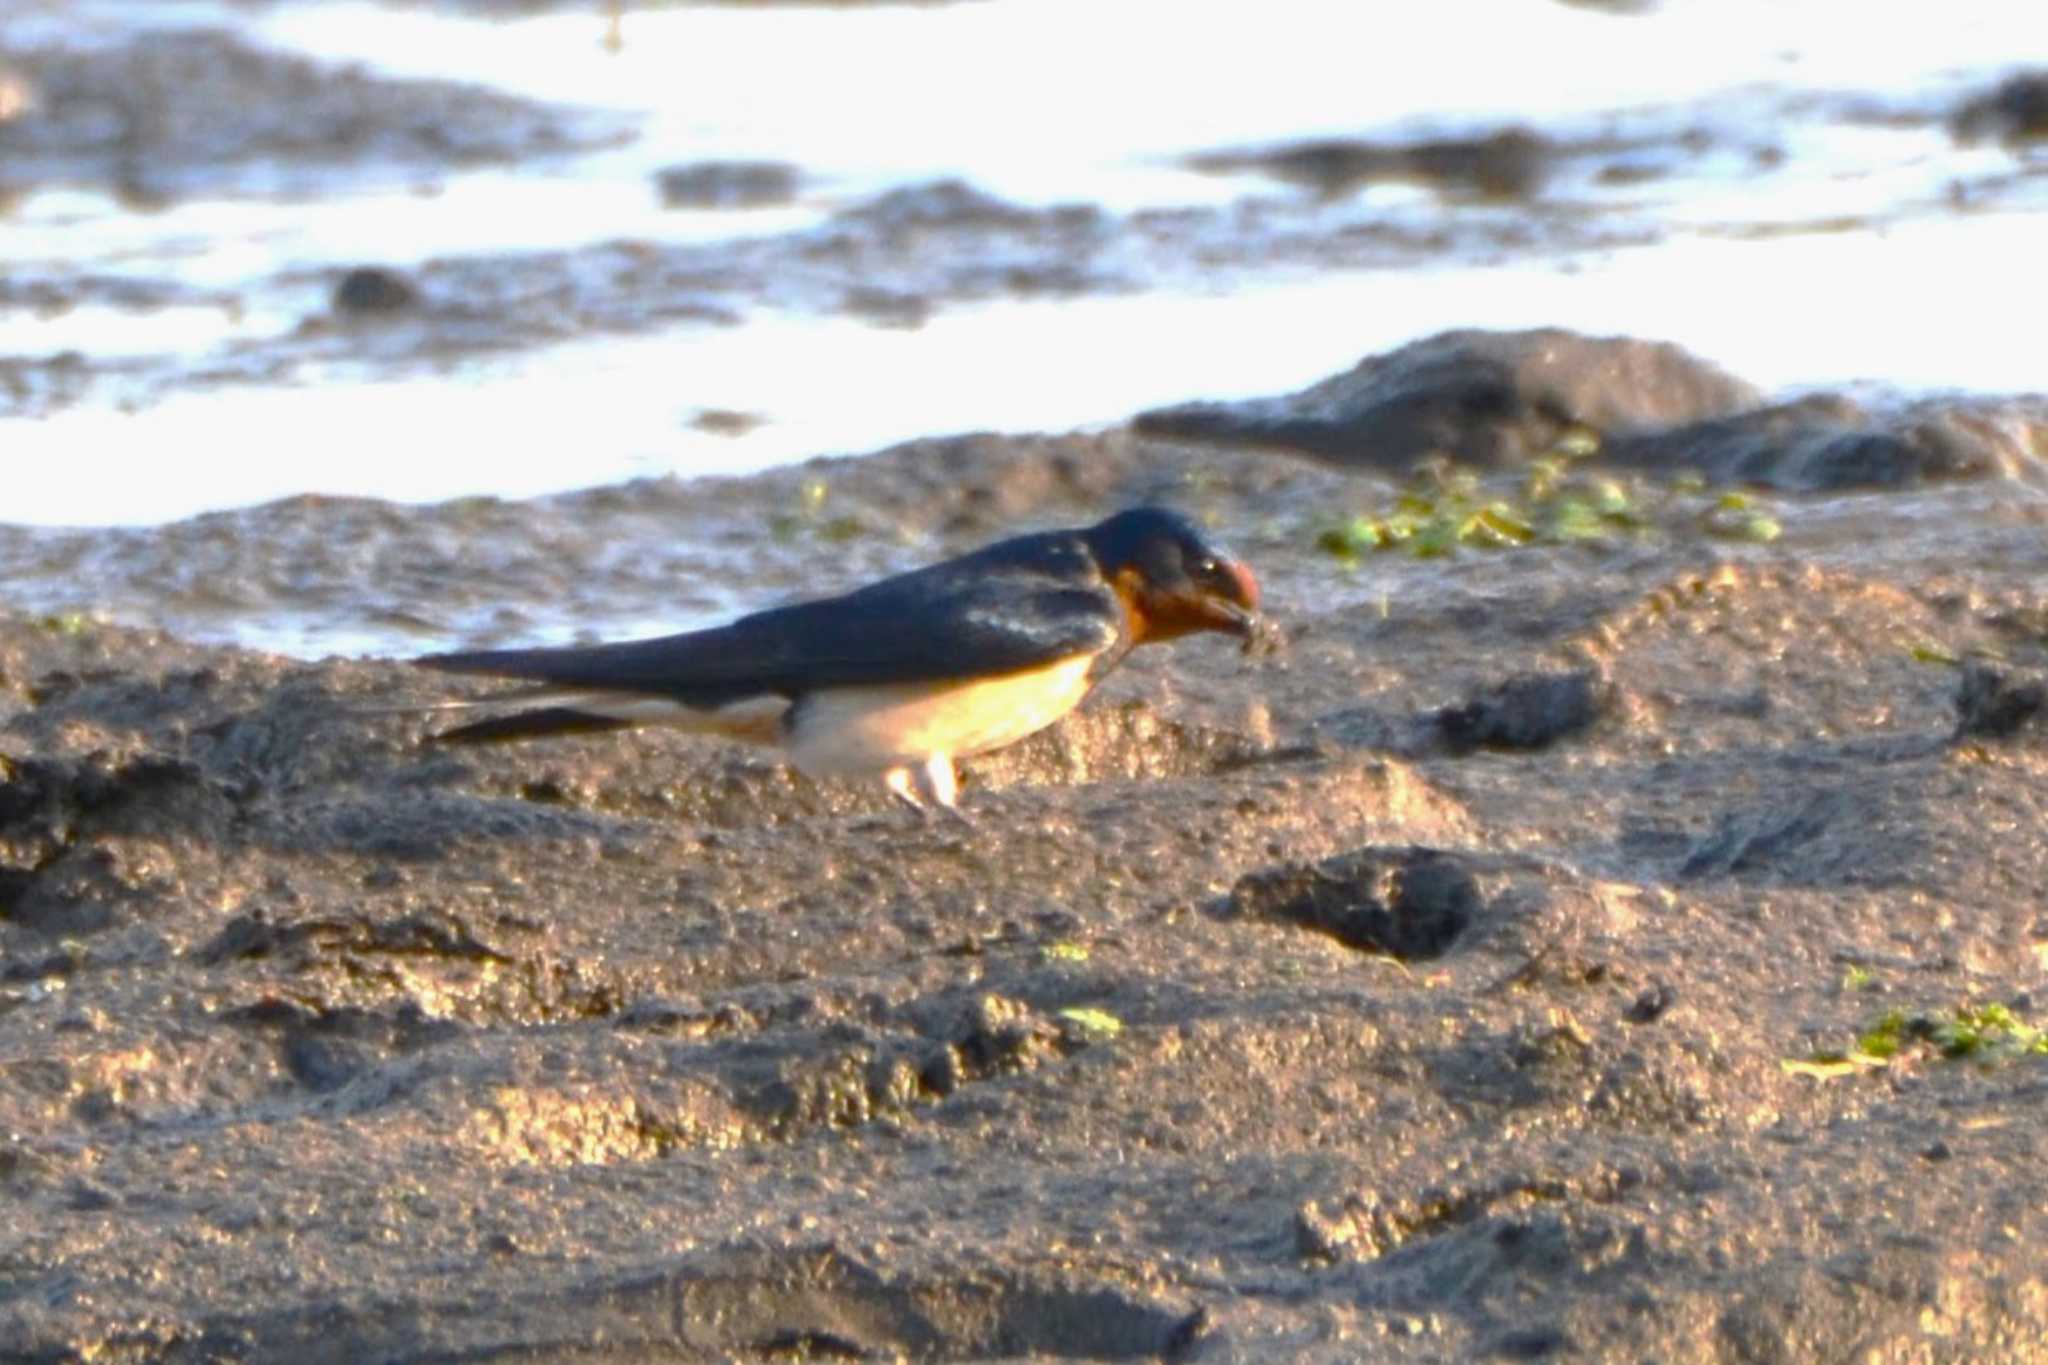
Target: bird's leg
(903, 785)
(937, 780)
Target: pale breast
(858, 730)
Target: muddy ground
(1424, 990)
(1552, 952)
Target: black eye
(1208, 568)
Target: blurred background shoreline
(421, 252)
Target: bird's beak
(1231, 618)
(1238, 615)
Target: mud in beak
(1232, 618)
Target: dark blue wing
(1016, 605)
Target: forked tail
(536, 724)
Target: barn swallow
(901, 677)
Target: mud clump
(1527, 712)
(885, 1078)
(1829, 442)
(727, 184)
(951, 204)
(1488, 399)
(1752, 839)
(256, 935)
(1409, 904)
(170, 114)
(58, 798)
(998, 1036)
(2014, 112)
(36, 385)
(63, 859)
(1510, 164)
(1999, 703)
(1494, 400)
(371, 291)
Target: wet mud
(1622, 942)
(1635, 446)
(1496, 970)
(1506, 399)
(2014, 112)
(1513, 163)
(164, 117)
(893, 261)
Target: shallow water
(1795, 209)
(587, 412)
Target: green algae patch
(1986, 1033)
(1091, 1025)
(1447, 509)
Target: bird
(899, 678)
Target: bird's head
(1173, 579)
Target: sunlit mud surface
(1606, 925)
(316, 1040)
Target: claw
(932, 783)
